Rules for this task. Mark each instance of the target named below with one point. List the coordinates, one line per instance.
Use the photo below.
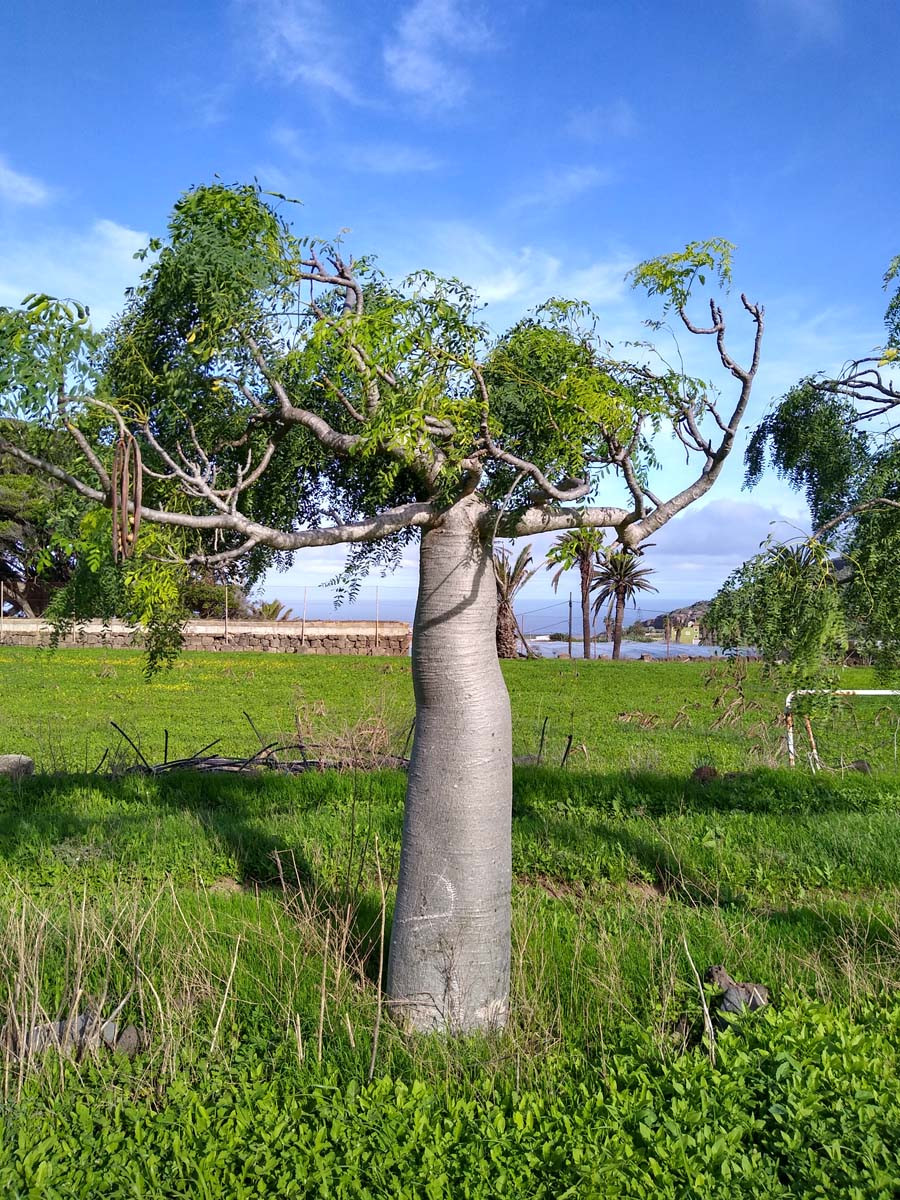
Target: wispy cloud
(300, 41)
(697, 533)
(563, 186)
(93, 265)
(18, 188)
(389, 158)
(422, 58)
(522, 276)
(601, 122)
(371, 158)
(816, 18)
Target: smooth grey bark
(448, 967)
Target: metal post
(226, 613)
(303, 623)
(376, 618)
(570, 624)
(2, 606)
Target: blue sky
(529, 148)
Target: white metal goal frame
(789, 712)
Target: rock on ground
(16, 766)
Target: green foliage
(671, 276)
(38, 518)
(619, 577)
(785, 602)
(511, 576)
(806, 1095)
(559, 400)
(572, 549)
(46, 349)
(813, 444)
(788, 877)
(274, 610)
(892, 316)
(244, 340)
(206, 597)
(145, 591)
(872, 593)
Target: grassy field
(239, 917)
(648, 716)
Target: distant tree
(578, 548)
(284, 397)
(511, 577)
(38, 519)
(274, 610)
(835, 439)
(786, 603)
(638, 632)
(206, 596)
(618, 579)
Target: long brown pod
(114, 500)
(124, 483)
(138, 491)
(126, 465)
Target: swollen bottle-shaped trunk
(450, 940)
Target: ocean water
(629, 650)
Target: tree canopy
(835, 440)
(263, 393)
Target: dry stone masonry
(275, 637)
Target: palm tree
(510, 577)
(273, 610)
(618, 579)
(578, 548)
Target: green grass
(657, 716)
(243, 913)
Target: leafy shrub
(801, 1103)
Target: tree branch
(552, 520)
(864, 506)
(385, 524)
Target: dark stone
(736, 997)
(704, 774)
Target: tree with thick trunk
(265, 391)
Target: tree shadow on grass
(65, 819)
(539, 790)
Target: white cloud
(389, 158)
(299, 41)
(93, 266)
(603, 121)
(818, 18)
(17, 188)
(563, 186)
(372, 158)
(524, 275)
(421, 59)
(724, 532)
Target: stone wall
(274, 637)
